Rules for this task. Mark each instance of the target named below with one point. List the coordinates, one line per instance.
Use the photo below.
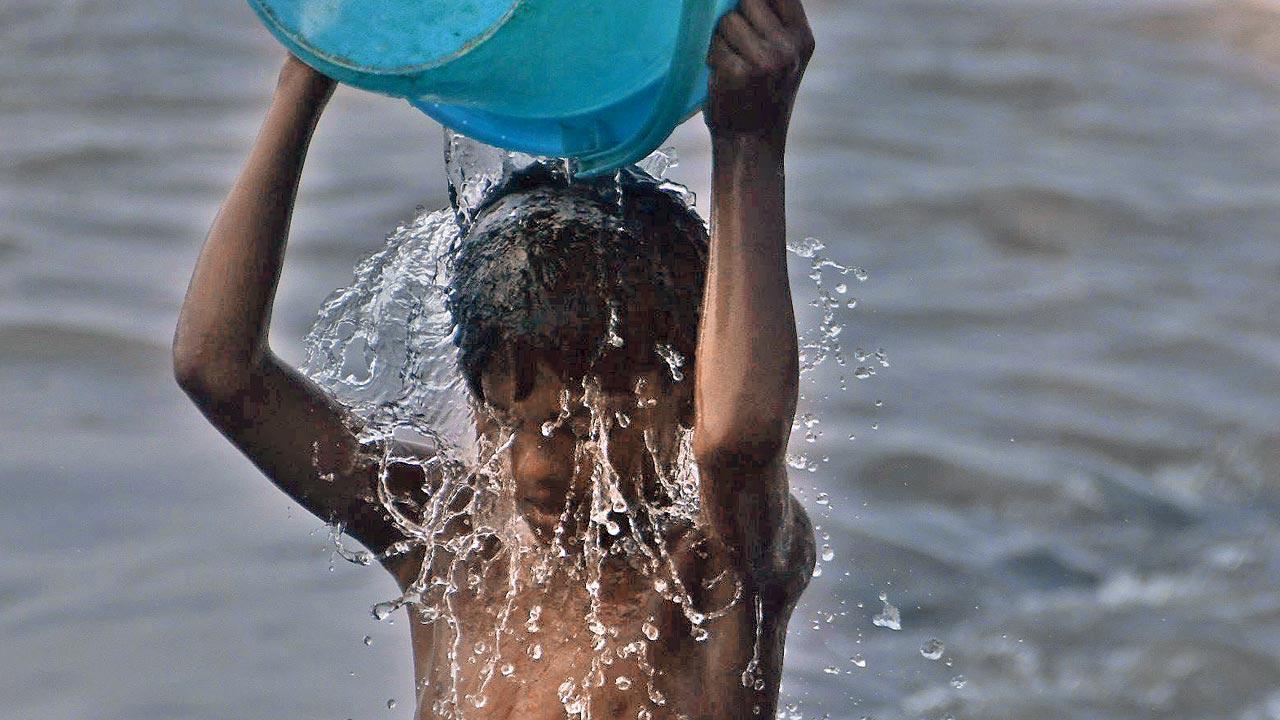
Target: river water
(1067, 212)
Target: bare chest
(636, 646)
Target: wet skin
(698, 679)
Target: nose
(542, 468)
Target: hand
(758, 55)
(297, 74)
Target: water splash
(660, 162)
(888, 617)
(932, 649)
(383, 347)
(674, 361)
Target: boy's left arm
(747, 372)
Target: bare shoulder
(407, 477)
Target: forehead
(546, 387)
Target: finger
(745, 41)
(762, 17)
(724, 58)
(791, 12)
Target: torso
(672, 675)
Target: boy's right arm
(298, 436)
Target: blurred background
(1068, 474)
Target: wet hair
(548, 268)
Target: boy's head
(557, 282)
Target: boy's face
(543, 466)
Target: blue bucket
(602, 81)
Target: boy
(525, 349)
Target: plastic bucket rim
(281, 30)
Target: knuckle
(807, 46)
(777, 61)
(788, 51)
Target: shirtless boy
(725, 304)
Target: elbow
(193, 375)
(747, 448)
(202, 375)
(187, 364)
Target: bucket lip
(683, 100)
(450, 115)
(284, 31)
(455, 117)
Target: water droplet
(535, 651)
(842, 288)
(565, 691)
(612, 335)
(368, 640)
(623, 682)
(858, 660)
(807, 247)
(549, 427)
(958, 682)
(508, 669)
(860, 274)
(650, 630)
(479, 701)
(932, 649)
(889, 617)
(391, 704)
(479, 648)
(700, 634)
(674, 361)
(383, 610)
(831, 670)
(659, 162)
(823, 499)
(644, 714)
(863, 372)
(827, 553)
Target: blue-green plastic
(602, 81)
